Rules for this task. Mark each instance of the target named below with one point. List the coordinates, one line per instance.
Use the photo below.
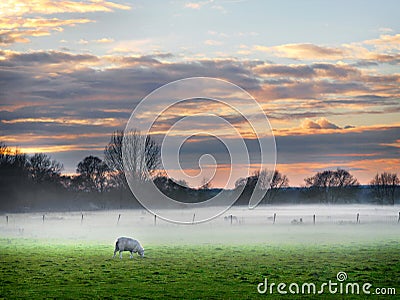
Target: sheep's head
(141, 252)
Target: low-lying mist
(238, 226)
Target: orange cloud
(16, 28)
(59, 148)
(385, 42)
(321, 123)
(364, 169)
(303, 51)
(23, 7)
(34, 138)
(324, 126)
(396, 144)
(54, 23)
(382, 52)
(10, 37)
(193, 5)
(104, 41)
(67, 121)
(197, 5)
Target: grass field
(34, 269)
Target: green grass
(30, 269)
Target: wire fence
(241, 216)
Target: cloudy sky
(326, 73)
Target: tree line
(36, 182)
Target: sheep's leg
(116, 249)
(120, 254)
(131, 254)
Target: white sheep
(128, 244)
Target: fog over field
(239, 225)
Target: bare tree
(384, 187)
(142, 156)
(278, 182)
(113, 158)
(249, 182)
(330, 186)
(263, 178)
(241, 182)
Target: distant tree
(113, 158)
(241, 182)
(6, 155)
(263, 178)
(43, 169)
(330, 186)
(205, 184)
(143, 156)
(13, 163)
(272, 180)
(66, 181)
(175, 189)
(92, 174)
(384, 187)
(182, 183)
(248, 182)
(14, 178)
(268, 179)
(279, 181)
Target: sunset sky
(326, 74)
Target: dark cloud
(302, 71)
(392, 59)
(280, 81)
(317, 148)
(63, 111)
(45, 57)
(315, 70)
(338, 146)
(7, 38)
(61, 86)
(365, 63)
(337, 71)
(50, 128)
(286, 114)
